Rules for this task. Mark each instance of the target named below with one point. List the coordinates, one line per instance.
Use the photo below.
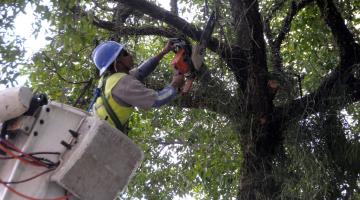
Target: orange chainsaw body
(188, 60)
(180, 61)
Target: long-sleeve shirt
(130, 91)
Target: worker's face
(124, 61)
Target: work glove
(177, 81)
(168, 47)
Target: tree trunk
(259, 134)
(260, 146)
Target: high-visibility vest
(122, 112)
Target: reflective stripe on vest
(122, 112)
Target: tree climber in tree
(120, 87)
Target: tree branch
(170, 142)
(83, 91)
(259, 101)
(148, 30)
(121, 14)
(127, 30)
(175, 21)
(294, 9)
(174, 7)
(337, 91)
(341, 81)
(102, 7)
(275, 43)
(268, 33)
(349, 50)
(210, 93)
(59, 75)
(110, 26)
(165, 16)
(275, 8)
(256, 32)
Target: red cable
(32, 162)
(7, 151)
(32, 198)
(29, 179)
(30, 154)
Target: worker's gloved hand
(168, 47)
(177, 81)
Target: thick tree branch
(110, 26)
(259, 99)
(175, 21)
(165, 16)
(148, 30)
(116, 25)
(121, 14)
(337, 91)
(256, 33)
(275, 43)
(349, 50)
(341, 80)
(239, 65)
(174, 7)
(240, 23)
(294, 9)
(268, 32)
(127, 30)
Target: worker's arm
(164, 96)
(149, 65)
(169, 92)
(145, 68)
(130, 91)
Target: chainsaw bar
(198, 52)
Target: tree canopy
(274, 113)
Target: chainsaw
(188, 60)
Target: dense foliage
(273, 115)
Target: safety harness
(99, 92)
(110, 111)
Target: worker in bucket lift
(120, 87)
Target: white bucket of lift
(14, 102)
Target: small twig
(102, 7)
(85, 88)
(276, 7)
(58, 74)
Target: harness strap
(109, 110)
(111, 113)
(97, 94)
